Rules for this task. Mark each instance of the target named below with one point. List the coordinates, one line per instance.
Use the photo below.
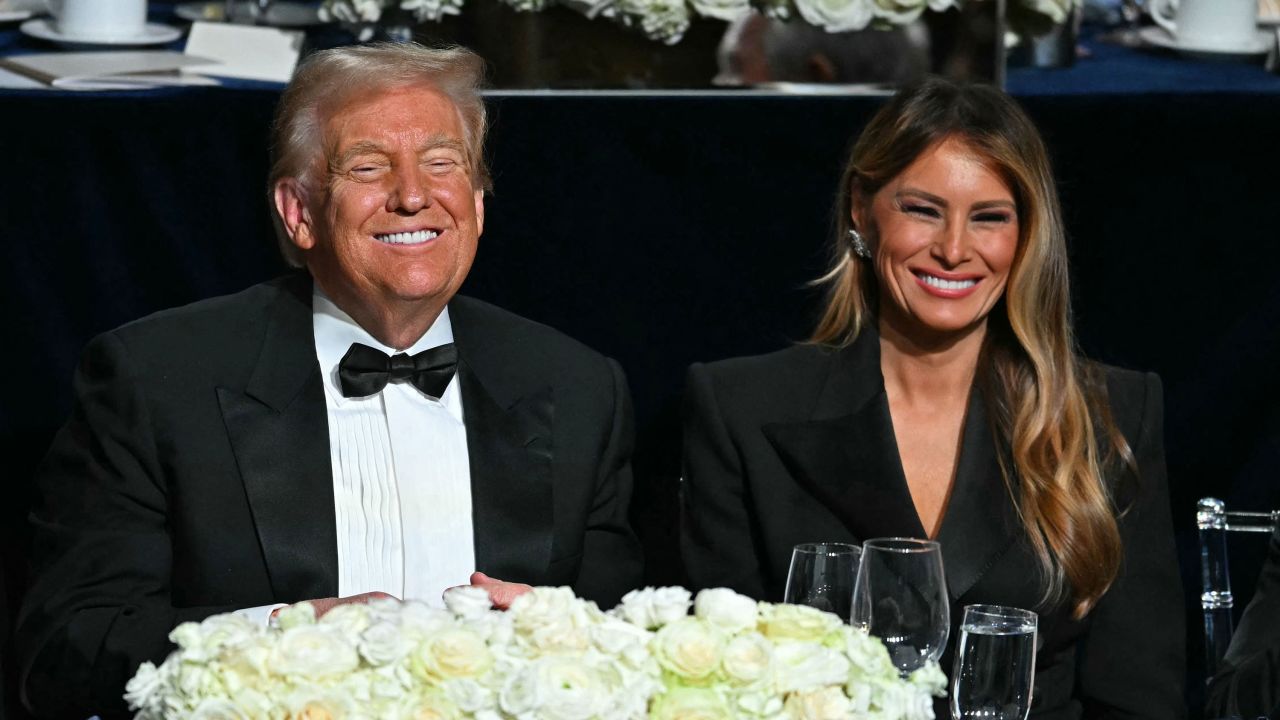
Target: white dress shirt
(401, 477)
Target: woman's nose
(953, 244)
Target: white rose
(468, 602)
(383, 644)
(798, 623)
(661, 20)
(552, 620)
(726, 609)
(469, 695)
(217, 709)
(351, 619)
(429, 705)
(419, 620)
(227, 630)
(313, 651)
(748, 659)
(143, 691)
(722, 9)
(930, 680)
(825, 704)
(254, 703)
(652, 608)
(310, 702)
(189, 639)
(836, 15)
(806, 666)
(303, 613)
(690, 648)
(760, 704)
(686, 703)
(619, 638)
(869, 656)
(569, 689)
(197, 681)
(452, 653)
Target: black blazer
(194, 478)
(1249, 683)
(798, 446)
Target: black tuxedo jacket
(194, 478)
(798, 446)
(1249, 684)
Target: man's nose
(410, 191)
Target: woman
(940, 396)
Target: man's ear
(479, 198)
(291, 205)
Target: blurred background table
(669, 227)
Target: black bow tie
(364, 371)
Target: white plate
(1157, 36)
(280, 14)
(152, 34)
(14, 15)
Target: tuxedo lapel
(509, 446)
(279, 433)
(845, 454)
(981, 521)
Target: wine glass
(901, 598)
(995, 664)
(822, 576)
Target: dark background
(662, 230)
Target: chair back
(1214, 522)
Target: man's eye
(365, 169)
(440, 165)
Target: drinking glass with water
(995, 664)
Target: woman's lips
(944, 287)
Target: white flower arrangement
(551, 657)
(667, 20)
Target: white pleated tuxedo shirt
(401, 477)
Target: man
(354, 430)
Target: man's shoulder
(216, 325)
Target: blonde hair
(330, 79)
(1040, 390)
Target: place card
(250, 52)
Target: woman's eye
(993, 217)
(921, 210)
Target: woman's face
(943, 235)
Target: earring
(858, 244)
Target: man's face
(392, 219)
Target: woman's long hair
(1040, 391)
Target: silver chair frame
(1216, 600)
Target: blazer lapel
(279, 433)
(845, 454)
(981, 521)
(509, 446)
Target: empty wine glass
(901, 597)
(995, 664)
(822, 576)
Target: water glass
(901, 597)
(995, 664)
(822, 576)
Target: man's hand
(501, 593)
(324, 605)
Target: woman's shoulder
(783, 378)
(1134, 397)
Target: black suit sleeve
(1249, 684)
(716, 539)
(1133, 659)
(611, 559)
(99, 604)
